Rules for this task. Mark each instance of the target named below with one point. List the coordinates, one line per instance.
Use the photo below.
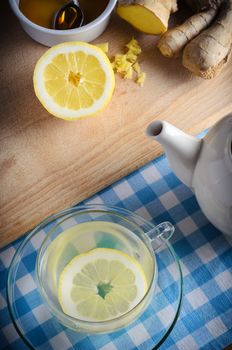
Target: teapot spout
(182, 150)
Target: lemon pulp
(74, 80)
(73, 242)
(101, 284)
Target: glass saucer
(41, 330)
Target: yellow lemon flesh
(74, 80)
(101, 285)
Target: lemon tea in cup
(96, 268)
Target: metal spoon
(68, 16)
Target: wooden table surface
(47, 164)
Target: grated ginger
(126, 64)
(141, 78)
(121, 64)
(137, 68)
(128, 74)
(104, 47)
(131, 57)
(134, 47)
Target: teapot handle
(160, 235)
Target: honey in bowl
(42, 12)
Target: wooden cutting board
(47, 164)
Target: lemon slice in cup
(74, 80)
(101, 284)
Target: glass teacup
(85, 228)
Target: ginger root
(207, 54)
(206, 38)
(174, 40)
(148, 16)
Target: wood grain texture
(47, 164)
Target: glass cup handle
(160, 234)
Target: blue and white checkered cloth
(205, 321)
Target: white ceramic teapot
(205, 165)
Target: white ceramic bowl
(50, 37)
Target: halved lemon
(74, 80)
(101, 284)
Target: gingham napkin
(205, 321)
